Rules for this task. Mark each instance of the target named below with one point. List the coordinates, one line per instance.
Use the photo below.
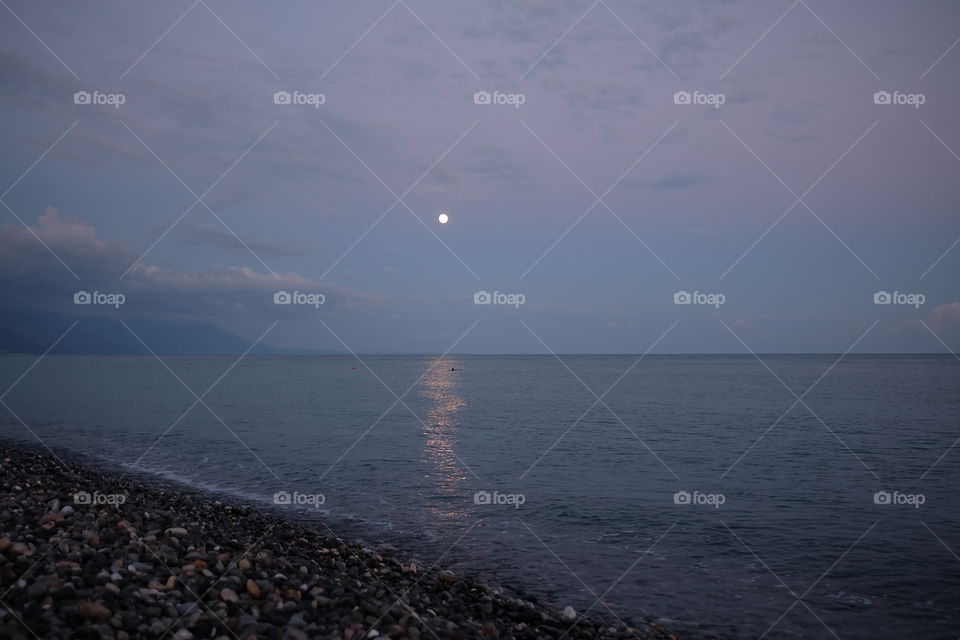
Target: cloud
(945, 317)
(24, 251)
(31, 83)
(680, 181)
(30, 274)
(676, 182)
(493, 164)
(55, 229)
(220, 237)
(943, 320)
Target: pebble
(20, 549)
(186, 608)
(93, 611)
(450, 576)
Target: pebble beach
(134, 558)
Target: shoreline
(153, 558)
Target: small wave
(851, 599)
(206, 487)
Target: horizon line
(548, 355)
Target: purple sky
(598, 198)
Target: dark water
(798, 548)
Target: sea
(779, 496)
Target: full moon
(443, 218)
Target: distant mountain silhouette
(34, 332)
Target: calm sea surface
(779, 530)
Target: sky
(619, 177)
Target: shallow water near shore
(782, 502)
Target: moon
(443, 218)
